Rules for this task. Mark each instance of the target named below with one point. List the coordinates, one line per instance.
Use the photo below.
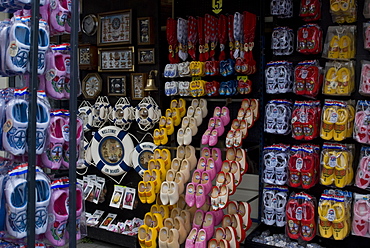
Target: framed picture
(114, 28)
(117, 59)
(116, 85)
(145, 34)
(138, 81)
(146, 56)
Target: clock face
(91, 85)
(116, 23)
(144, 158)
(89, 24)
(85, 56)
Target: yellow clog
(327, 124)
(150, 194)
(333, 52)
(331, 82)
(340, 226)
(344, 78)
(141, 191)
(341, 170)
(325, 226)
(340, 127)
(345, 44)
(327, 172)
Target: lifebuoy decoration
(111, 150)
(141, 155)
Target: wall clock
(88, 57)
(91, 85)
(90, 24)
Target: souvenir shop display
(306, 120)
(360, 213)
(337, 120)
(362, 179)
(360, 133)
(308, 78)
(278, 117)
(337, 164)
(301, 216)
(310, 10)
(274, 201)
(275, 160)
(340, 42)
(282, 41)
(304, 166)
(343, 12)
(309, 39)
(334, 210)
(281, 8)
(339, 78)
(364, 88)
(279, 77)
(188, 167)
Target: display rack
(269, 139)
(31, 175)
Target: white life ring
(144, 115)
(86, 116)
(141, 155)
(111, 149)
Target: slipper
(331, 78)
(52, 158)
(325, 225)
(42, 124)
(340, 126)
(67, 80)
(351, 117)
(19, 48)
(14, 139)
(308, 223)
(361, 134)
(55, 75)
(293, 224)
(281, 199)
(308, 172)
(344, 77)
(334, 48)
(58, 15)
(16, 200)
(341, 170)
(363, 173)
(335, 5)
(329, 118)
(79, 133)
(59, 208)
(345, 47)
(327, 172)
(43, 196)
(340, 226)
(4, 46)
(360, 218)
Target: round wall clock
(90, 24)
(91, 85)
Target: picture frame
(116, 59)
(138, 81)
(146, 56)
(114, 28)
(145, 33)
(116, 85)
